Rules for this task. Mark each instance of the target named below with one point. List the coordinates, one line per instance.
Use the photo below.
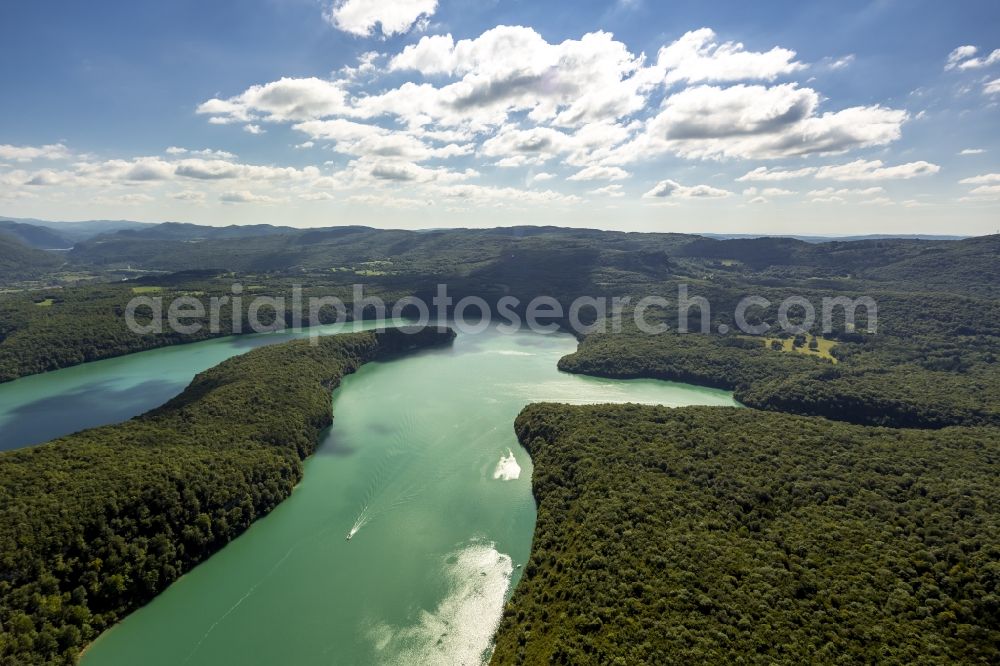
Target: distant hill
(187, 232)
(970, 265)
(82, 230)
(18, 261)
(827, 239)
(42, 238)
(517, 258)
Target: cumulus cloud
(512, 68)
(875, 170)
(54, 151)
(992, 87)
(673, 189)
(585, 100)
(393, 17)
(149, 169)
(48, 177)
(697, 57)
(541, 176)
(287, 99)
(600, 173)
(759, 122)
(972, 151)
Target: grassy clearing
(822, 350)
(146, 290)
(47, 303)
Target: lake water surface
(421, 468)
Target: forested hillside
(41, 238)
(18, 261)
(721, 535)
(95, 524)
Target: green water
(41, 407)
(422, 466)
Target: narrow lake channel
(420, 468)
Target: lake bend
(408, 531)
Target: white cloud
(877, 201)
(875, 170)
(245, 196)
(986, 190)
(841, 63)
(960, 54)
(972, 151)
(192, 196)
(394, 17)
(512, 68)
(992, 87)
(252, 128)
(55, 151)
(767, 192)
(764, 173)
(205, 152)
(671, 188)
(697, 57)
(985, 179)
(390, 201)
(149, 169)
(48, 177)
(758, 122)
(830, 192)
(353, 138)
(962, 58)
(503, 197)
(582, 100)
(541, 176)
(287, 99)
(614, 191)
(600, 173)
(317, 196)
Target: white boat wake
(507, 469)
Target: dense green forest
(95, 524)
(723, 535)
(925, 383)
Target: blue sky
(822, 118)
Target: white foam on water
(511, 352)
(507, 469)
(460, 630)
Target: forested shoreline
(720, 535)
(97, 523)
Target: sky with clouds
(733, 117)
